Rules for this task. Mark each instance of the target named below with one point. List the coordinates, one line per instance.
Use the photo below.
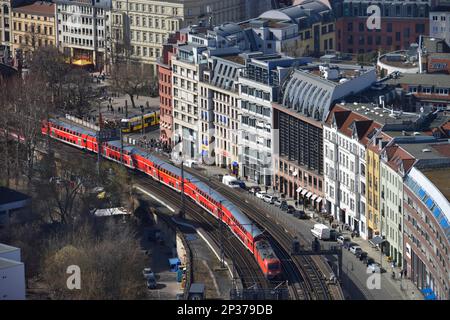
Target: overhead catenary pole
(99, 139)
(183, 203)
(221, 231)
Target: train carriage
(113, 150)
(79, 137)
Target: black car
(361, 255)
(290, 209)
(300, 214)
(349, 244)
(369, 261)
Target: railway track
(243, 261)
(305, 279)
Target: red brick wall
(398, 25)
(165, 102)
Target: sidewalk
(406, 288)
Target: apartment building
(301, 30)
(426, 217)
(140, 30)
(372, 171)
(346, 137)
(83, 31)
(165, 88)
(5, 29)
(440, 22)
(33, 26)
(187, 65)
(219, 108)
(394, 165)
(401, 23)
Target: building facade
(139, 31)
(394, 165)
(440, 22)
(426, 229)
(401, 23)
(219, 109)
(5, 30)
(83, 31)
(187, 65)
(346, 138)
(33, 26)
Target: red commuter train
(221, 208)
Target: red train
(245, 230)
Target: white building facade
(83, 31)
(344, 160)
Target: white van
(321, 231)
(230, 181)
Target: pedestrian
(404, 273)
(352, 235)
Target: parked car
(355, 249)
(375, 267)
(260, 194)
(290, 209)
(300, 214)
(254, 190)
(279, 202)
(269, 199)
(369, 261)
(151, 282)
(362, 255)
(348, 245)
(342, 239)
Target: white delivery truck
(321, 231)
(230, 181)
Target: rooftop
(440, 177)
(6, 263)
(425, 79)
(427, 150)
(8, 196)
(5, 248)
(39, 8)
(380, 115)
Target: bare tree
(130, 79)
(110, 261)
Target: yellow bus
(135, 124)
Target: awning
(309, 194)
(304, 192)
(299, 189)
(318, 199)
(314, 196)
(376, 240)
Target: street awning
(376, 240)
(318, 199)
(299, 189)
(304, 192)
(314, 196)
(309, 194)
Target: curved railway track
(244, 262)
(305, 279)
